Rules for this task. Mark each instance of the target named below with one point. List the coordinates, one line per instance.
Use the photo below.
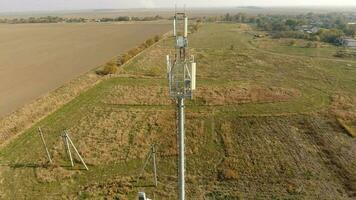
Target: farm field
(37, 58)
(263, 125)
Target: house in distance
(349, 42)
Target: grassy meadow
(262, 125)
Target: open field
(37, 58)
(263, 125)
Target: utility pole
(181, 74)
(67, 141)
(45, 145)
(151, 153)
(154, 165)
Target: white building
(350, 42)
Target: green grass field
(262, 125)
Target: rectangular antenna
(185, 26)
(193, 76)
(174, 26)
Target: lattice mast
(181, 74)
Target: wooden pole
(44, 144)
(75, 149)
(154, 164)
(144, 166)
(66, 144)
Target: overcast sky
(37, 5)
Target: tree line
(54, 19)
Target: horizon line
(172, 8)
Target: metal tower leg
(181, 180)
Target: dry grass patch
(53, 174)
(106, 136)
(140, 95)
(213, 95)
(344, 108)
(227, 170)
(25, 117)
(114, 189)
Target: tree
(330, 35)
(228, 17)
(279, 26)
(291, 23)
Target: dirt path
(37, 58)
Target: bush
(292, 43)
(123, 59)
(330, 35)
(109, 68)
(134, 52)
(315, 38)
(227, 174)
(149, 42)
(157, 38)
(312, 45)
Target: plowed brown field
(37, 58)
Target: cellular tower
(181, 74)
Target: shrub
(134, 52)
(123, 59)
(149, 42)
(330, 35)
(109, 68)
(142, 46)
(227, 174)
(292, 43)
(315, 38)
(157, 38)
(312, 45)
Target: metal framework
(181, 72)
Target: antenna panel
(193, 75)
